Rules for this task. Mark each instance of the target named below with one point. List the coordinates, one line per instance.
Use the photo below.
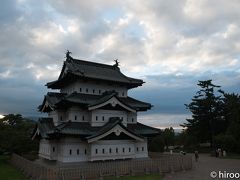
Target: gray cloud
(170, 44)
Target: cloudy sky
(170, 44)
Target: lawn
(144, 177)
(8, 172)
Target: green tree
(232, 113)
(231, 108)
(168, 136)
(206, 109)
(157, 144)
(15, 134)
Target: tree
(232, 113)
(231, 108)
(157, 144)
(206, 109)
(15, 134)
(168, 136)
(12, 119)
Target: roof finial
(116, 63)
(68, 57)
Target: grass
(8, 172)
(144, 177)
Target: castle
(92, 117)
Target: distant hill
(34, 118)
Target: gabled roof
(58, 100)
(111, 99)
(114, 125)
(50, 100)
(46, 129)
(79, 69)
(44, 125)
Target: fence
(98, 170)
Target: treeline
(215, 121)
(15, 135)
(215, 118)
(163, 141)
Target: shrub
(157, 144)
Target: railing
(33, 170)
(164, 164)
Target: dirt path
(206, 164)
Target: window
(103, 151)
(129, 149)
(80, 90)
(99, 91)
(75, 117)
(110, 150)
(137, 148)
(96, 118)
(70, 152)
(87, 90)
(77, 151)
(85, 151)
(142, 148)
(132, 119)
(83, 118)
(123, 150)
(93, 91)
(53, 149)
(96, 151)
(123, 94)
(103, 118)
(61, 118)
(116, 150)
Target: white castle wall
(76, 114)
(75, 150)
(93, 88)
(97, 117)
(48, 150)
(131, 118)
(100, 117)
(58, 116)
(118, 149)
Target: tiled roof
(143, 129)
(108, 126)
(45, 125)
(91, 70)
(85, 100)
(85, 130)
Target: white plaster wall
(131, 118)
(106, 114)
(63, 147)
(81, 115)
(141, 150)
(57, 116)
(66, 145)
(94, 88)
(48, 149)
(120, 145)
(90, 116)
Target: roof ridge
(55, 93)
(104, 66)
(94, 63)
